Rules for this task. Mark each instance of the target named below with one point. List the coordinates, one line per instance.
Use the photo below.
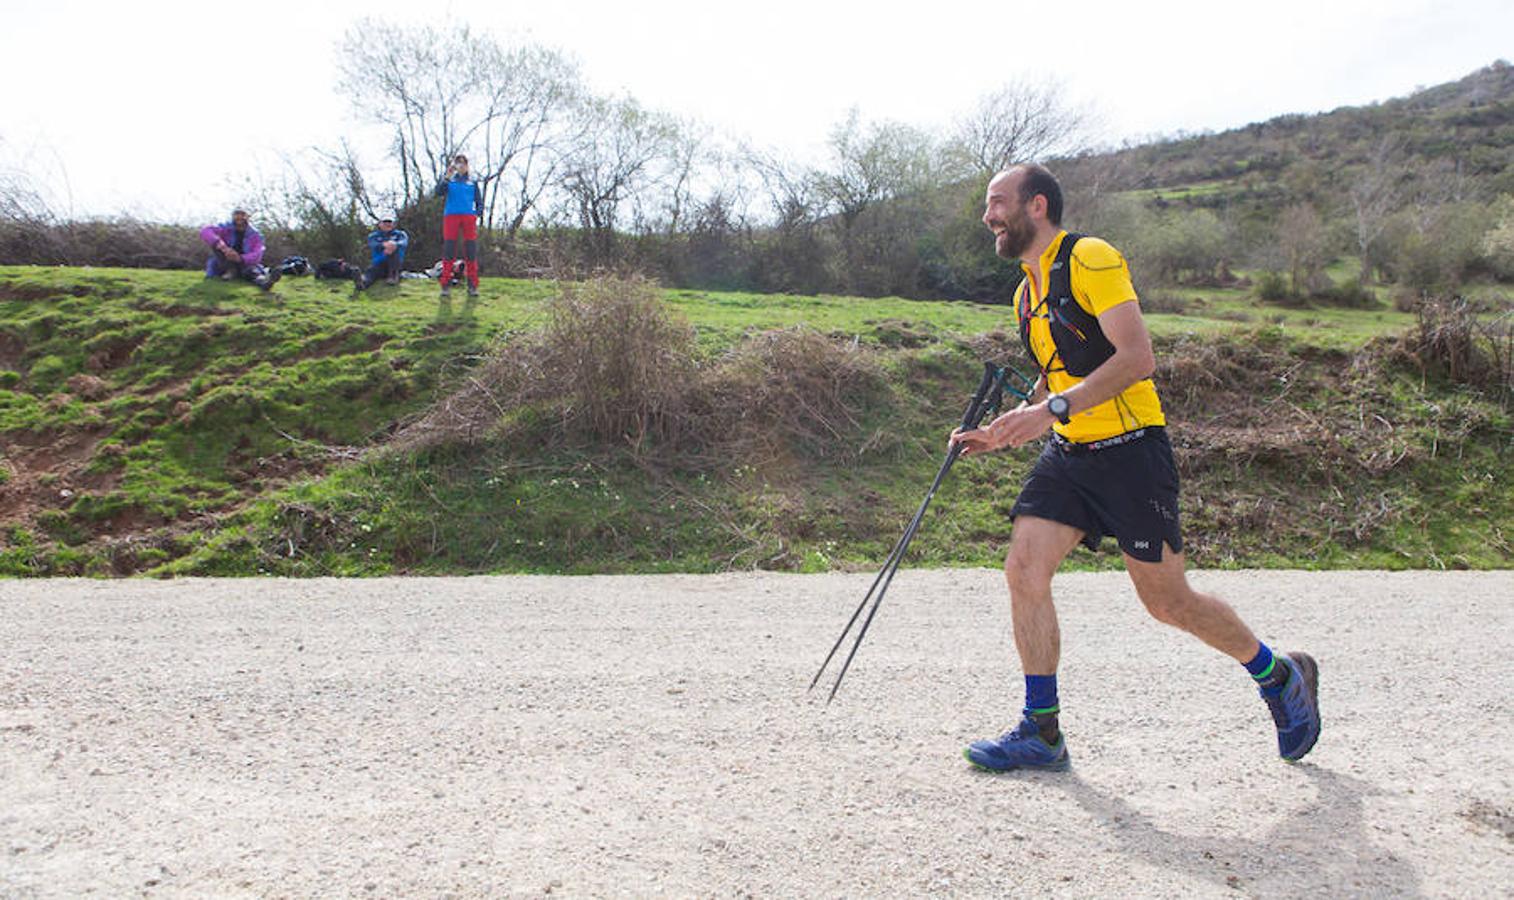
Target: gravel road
(639, 736)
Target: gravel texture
(637, 736)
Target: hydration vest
(1080, 343)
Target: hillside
(151, 421)
(1462, 129)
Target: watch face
(1058, 406)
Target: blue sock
(1265, 671)
(1041, 695)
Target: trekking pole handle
(974, 412)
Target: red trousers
(466, 227)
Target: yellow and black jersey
(1100, 281)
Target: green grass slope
(155, 422)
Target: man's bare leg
(1163, 587)
(1036, 550)
(1288, 683)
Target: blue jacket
(377, 238)
(464, 198)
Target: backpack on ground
(294, 265)
(336, 268)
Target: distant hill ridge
(1465, 126)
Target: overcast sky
(163, 109)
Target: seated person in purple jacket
(236, 251)
(387, 246)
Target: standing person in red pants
(465, 205)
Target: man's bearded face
(1012, 228)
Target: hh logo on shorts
(1141, 545)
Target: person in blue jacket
(465, 206)
(386, 246)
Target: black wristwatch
(1058, 406)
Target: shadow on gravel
(1323, 849)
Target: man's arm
(1132, 360)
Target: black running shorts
(1128, 491)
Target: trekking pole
(986, 398)
(977, 399)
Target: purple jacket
(252, 241)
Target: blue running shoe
(1022, 748)
(1295, 706)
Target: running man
(236, 251)
(465, 206)
(1106, 468)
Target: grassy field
(1174, 193)
(156, 422)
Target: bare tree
(530, 129)
(792, 190)
(792, 254)
(879, 190)
(1020, 121)
(23, 176)
(621, 155)
(874, 163)
(1434, 190)
(1301, 237)
(322, 195)
(1373, 196)
(20, 200)
(448, 90)
(690, 153)
(418, 88)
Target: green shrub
(1407, 299)
(1272, 287)
(51, 371)
(99, 507)
(19, 554)
(1163, 302)
(1348, 294)
(60, 527)
(1498, 242)
(1179, 247)
(9, 378)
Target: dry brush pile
(1451, 339)
(1282, 439)
(615, 367)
